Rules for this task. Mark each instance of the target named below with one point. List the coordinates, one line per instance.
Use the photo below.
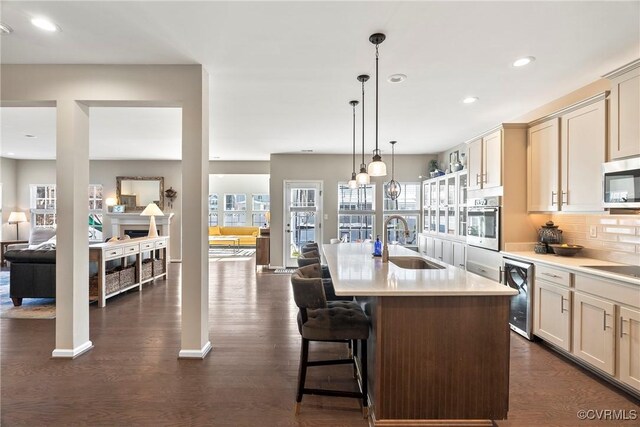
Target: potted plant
(433, 168)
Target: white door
(302, 217)
(630, 347)
(552, 316)
(544, 166)
(492, 160)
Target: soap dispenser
(377, 247)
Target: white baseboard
(196, 354)
(73, 353)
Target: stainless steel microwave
(621, 179)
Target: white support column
(72, 243)
(195, 254)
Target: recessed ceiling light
(521, 62)
(28, 135)
(397, 78)
(45, 24)
(307, 151)
(470, 99)
(5, 29)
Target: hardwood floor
(133, 376)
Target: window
(43, 208)
(260, 202)
(235, 219)
(407, 205)
(356, 212)
(235, 202)
(213, 210)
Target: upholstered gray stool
(303, 262)
(334, 321)
(314, 271)
(310, 254)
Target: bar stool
(323, 321)
(313, 253)
(303, 262)
(314, 271)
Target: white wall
(330, 169)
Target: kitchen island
(439, 343)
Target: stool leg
(350, 348)
(363, 364)
(355, 356)
(302, 372)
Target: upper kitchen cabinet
(583, 146)
(565, 155)
(543, 164)
(624, 111)
(485, 161)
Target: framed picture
(118, 209)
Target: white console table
(155, 247)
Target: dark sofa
(33, 274)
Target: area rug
(229, 252)
(284, 270)
(31, 308)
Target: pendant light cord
(363, 122)
(353, 157)
(393, 155)
(377, 98)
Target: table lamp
(16, 218)
(152, 210)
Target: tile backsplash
(617, 237)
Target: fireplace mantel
(134, 221)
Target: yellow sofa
(247, 235)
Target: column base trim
(60, 353)
(196, 354)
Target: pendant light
(377, 166)
(393, 189)
(363, 177)
(353, 184)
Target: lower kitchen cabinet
(459, 255)
(552, 314)
(447, 251)
(594, 331)
(629, 336)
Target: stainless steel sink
(414, 263)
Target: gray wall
(8, 180)
(330, 169)
(27, 172)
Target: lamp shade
(152, 210)
(111, 201)
(363, 178)
(377, 168)
(16, 217)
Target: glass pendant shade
(393, 189)
(363, 177)
(353, 184)
(377, 167)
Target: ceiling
(282, 73)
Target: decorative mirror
(136, 192)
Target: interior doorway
(302, 217)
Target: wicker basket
(127, 276)
(112, 281)
(158, 267)
(147, 269)
(93, 286)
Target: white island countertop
(354, 271)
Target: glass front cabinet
(445, 205)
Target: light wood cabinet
(583, 147)
(594, 331)
(565, 157)
(263, 250)
(624, 113)
(629, 353)
(474, 164)
(552, 314)
(459, 255)
(485, 161)
(492, 160)
(543, 166)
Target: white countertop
(575, 264)
(354, 271)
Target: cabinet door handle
(501, 272)
(553, 194)
(604, 321)
(555, 276)
(562, 300)
(477, 179)
(622, 326)
(484, 178)
(565, 197)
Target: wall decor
(171, 195)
